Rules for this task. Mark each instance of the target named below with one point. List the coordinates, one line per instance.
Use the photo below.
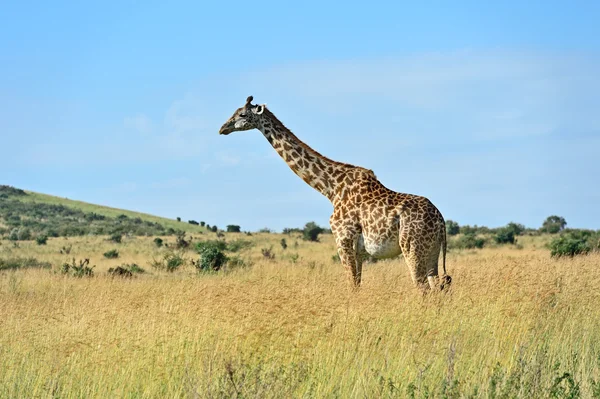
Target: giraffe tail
(446, 279)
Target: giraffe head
(244, 118)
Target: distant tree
(178, 219)
(158, 242)
(505, 236)
(214, 229)
(311, 231)
(202, 224)
(193, 222)
(516, 228)
(553, 224)
(452, 228)
(232, 228)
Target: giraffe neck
(318, 171)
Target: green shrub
(218, 244)
(134, 268)
(112, 254)
(236, 262)
(170, 262)
(116, 237)
(178, 219)
(311, 231)
(41, 240)
(467, 241)
(158, 242)
(283, 243)
(211, 259)
(233, 228)
(82, 269)
(452, 228)
(569, 245)
(202, 224)
(505, 236)
(193, 222)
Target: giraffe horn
(249, 100)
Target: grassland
(515, 324)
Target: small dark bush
(178, 219)
(214, 229)
(66, 250)
(452, 228)
(283, 243)
(170, 262)
(82, 269)
(202, 224)
(233, 228)
(116, 237)
(211, 259)
(268, 253)
(569, 245)
(41, 240)
(112, 254)
(134, 268)
(120, 271)
(311, 231)
(158, 242)
(193, 222)
(180, 241)
(336, 258)
(505, 236)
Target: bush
(268, 253)
(202, 224)
(178, 219)
(468, 241)
(232, 228)
(193, 222)
(20, 234)
(112, 254)
(569, 245)
(120, 271)
(516, 228)
(78, 270)
(116, 237)
(452, 228)
(311, 231)
(211, 259)
(158, 242)
(41, 240)
(180, 241)
(170, 262)
(214, 229)
(283, 243)
(505, 236)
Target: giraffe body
(367, 216)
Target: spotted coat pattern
(367, 216)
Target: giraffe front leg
(347, 252)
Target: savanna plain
(515, 323)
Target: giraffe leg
(346, 234)
(417, 266)
(360, 257)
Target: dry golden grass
(513, 324)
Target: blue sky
(490, 110)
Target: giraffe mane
(302, 144)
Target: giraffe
(367, 216)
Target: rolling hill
(56, 216)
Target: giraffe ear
(259, 109)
